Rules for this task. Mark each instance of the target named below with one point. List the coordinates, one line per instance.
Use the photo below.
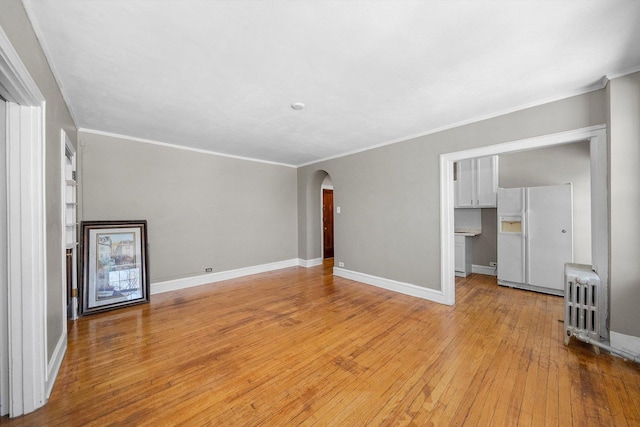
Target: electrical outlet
(493, 264)
(208, 270)
(340, 264)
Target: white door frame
(26, 237)
(599, 215)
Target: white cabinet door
(464, 187)
(486, 181)
(477, 183)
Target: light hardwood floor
(298, 346)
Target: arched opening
(319, 237)
(327, 219)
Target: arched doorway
(327, 218)
(318, 212)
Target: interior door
(327, 222)
(550, 234)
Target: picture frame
(115, 267)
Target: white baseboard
(54, 364)
(483, 269)
(392, 285)
(309, 262)
(188, 282)
(628, 343)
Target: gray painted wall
(16, 25)
(485, 246)
(202, 210)
(390, 196)
(624, 175)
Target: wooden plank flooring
(300, 347)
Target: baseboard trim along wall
(309, 262)
(188, 282)
(55, 363)
(392, 285)
(483, 269)
(628, 343)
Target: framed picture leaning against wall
(114, 265)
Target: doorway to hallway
(327, 223)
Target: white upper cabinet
(476, 182)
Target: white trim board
(483, 269)
(392, 285)
(306, 263)
(624, 342)
(55, 363)
(179, 147)
(595, 134)
(205, 279)
(597, 86)
(26, 234)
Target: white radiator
(581, 298)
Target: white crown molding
(204, 279)
(392, 285)
(600, 85)
(623, 73)
(179, 147)
(45, 51)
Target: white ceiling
(222, 75)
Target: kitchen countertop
(467, 232)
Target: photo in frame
(114, 265)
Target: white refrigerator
(535, 237)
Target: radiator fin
(581, 298)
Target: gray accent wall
(624, 174)
(390, 196)
(16, 25)
(203, 211)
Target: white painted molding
(597, 86)
(54, 363)
(179, 147)
(483, 269)
(17, 85)
(43, 41)
(188, 282)
(26, 233)
(628, 343)
(392, 285)
(309, 262)
(623, 73)
(595, 134)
